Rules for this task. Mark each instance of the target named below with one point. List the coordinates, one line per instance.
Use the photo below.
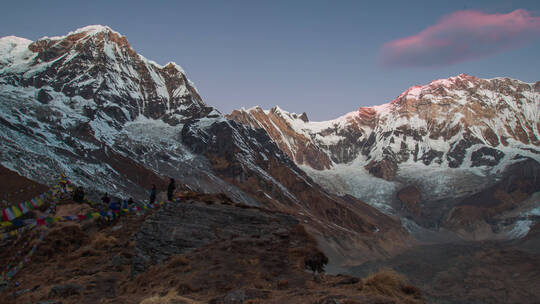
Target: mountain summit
(96, 63)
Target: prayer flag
(7, 214)
(23, 208)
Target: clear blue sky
(321, 57)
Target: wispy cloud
(462, 36)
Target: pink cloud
(462, 36)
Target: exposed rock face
(181, 228)
(297, 146)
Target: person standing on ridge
(153, 194)
(170, 190)
(78, 194)
(106, 199)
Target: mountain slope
(446, 141)
(205, 249)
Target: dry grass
(170, 298)
(101, 241)
(386, 282)
(392, 284)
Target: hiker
(130, 202)
(106, 199)
(78, 194)
(170, 190)
(153, 194)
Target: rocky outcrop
(184, 227)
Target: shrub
(386, 282)
(315, 262)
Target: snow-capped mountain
(88, 105)
(96, 63)
(431, 148)
(81, 95)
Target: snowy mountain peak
(277, 109)
(175, 66)
(13, 41)
(13, 48)
(97, 63)
(465, 90)
(86, 37)
(92, 29)
(88, 30)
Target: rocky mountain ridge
(204, 249)
(444, 141)
(434, 123)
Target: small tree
(315, 262)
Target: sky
(325, 58)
